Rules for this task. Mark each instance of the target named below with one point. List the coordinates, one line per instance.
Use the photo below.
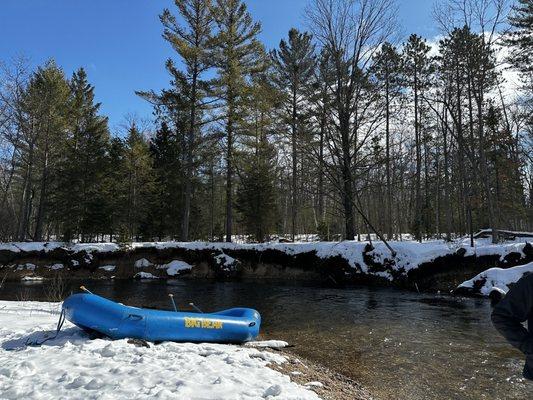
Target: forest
(348, 128)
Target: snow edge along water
(335, 260)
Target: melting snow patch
(226, 262)
(27, 266)
(98, 247)
(142, 263)
(175, 266)
(497, 279)
(32, 278)
(144, 275)
(314, 384)
(273, 344)
(108, 268)
(55, 267)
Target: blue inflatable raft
(94, 313)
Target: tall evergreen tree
(467, 68)
(167, 201)
(521, 37)
(191, 40)
(389, 73)
(320, 99)
(78, 194)
(418, 68)
(115, 189)
(237, 54)
(294, 63)
(256, 194)
(45, 112)
(137, 174)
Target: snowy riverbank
(73, 367)
(431, 265)
(494, 281)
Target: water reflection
(400, 345)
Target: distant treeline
(339, 130)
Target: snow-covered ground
(496, 279)
(74, 367)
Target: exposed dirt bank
(428, 266)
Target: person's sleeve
(515, 308)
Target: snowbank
(494, 279)
(226, 262)
(74, 367)
(272, 344)
(174, 267)
(333, 261)
(144, 275)
(142, 263)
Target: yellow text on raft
(202, 323)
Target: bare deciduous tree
(351, 32)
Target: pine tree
(115, 190)
(388, 68)
(192, 41)
(521, 37)
(78, 194)
(166, 202)
(45, 110)
(294, 63)
(467, 69)
(137, 173)
(256, 194)
(506, 179)
(418, 68)
(320, 98)
(237, 54)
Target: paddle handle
(196, 308)
(85, 289)
(173, 303)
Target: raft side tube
(92, 312)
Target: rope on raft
(59, 326)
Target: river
(398, 344)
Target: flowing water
(398, 344)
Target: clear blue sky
(119, 42)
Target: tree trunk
(321, 168)
(418, 198)
(446, 176)
(189, 160)
(387, 149)
(39, 220)
(294, 165)
(229, 170)
(348, 197)
(484, 171)
(25, 206)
